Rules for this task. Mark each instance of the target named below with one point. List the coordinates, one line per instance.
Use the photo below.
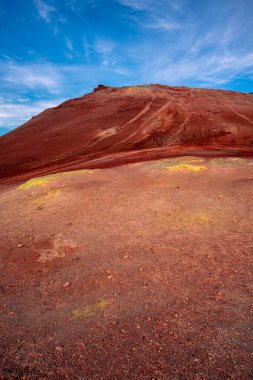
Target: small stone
(66, 285)
(126, 257)
(109, 277)
(58, 348)
(196, 360)
(20, 245)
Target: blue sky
(52, 50)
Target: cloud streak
(30, 76)
(44, 10)
(48, 13)
(13, 114)
(210, 70)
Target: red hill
(113, 126)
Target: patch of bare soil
(137, 272)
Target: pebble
(66, 285)
(58, 348)
(109, 277)
(20, 245)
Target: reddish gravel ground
(142, 271)
(139, 271)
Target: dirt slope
(112, 126)
(143, 271)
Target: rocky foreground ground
(143, 271)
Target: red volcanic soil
(113, 126)
(140, 271)
(143, 271)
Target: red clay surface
(113, 126)
(142, 271)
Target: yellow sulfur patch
(190, 219)
(179, 218)
(199, 219)
(190, 167)
(89, 310)
(42, 181)
(196, 160)
(46, 196)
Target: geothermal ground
(139, 271)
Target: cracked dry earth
(137, 272)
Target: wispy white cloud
(69, 52)
(177, 5)
(78, 5)
(69, 44)
(49, 13)
(136, 4)
(31, 76)
(147, 5)
(148, 14)
(13, 114)
(104, 48)
(161, 24)
(86, 47)
(210, 70)
(44, 10)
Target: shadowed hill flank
(113, 126)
